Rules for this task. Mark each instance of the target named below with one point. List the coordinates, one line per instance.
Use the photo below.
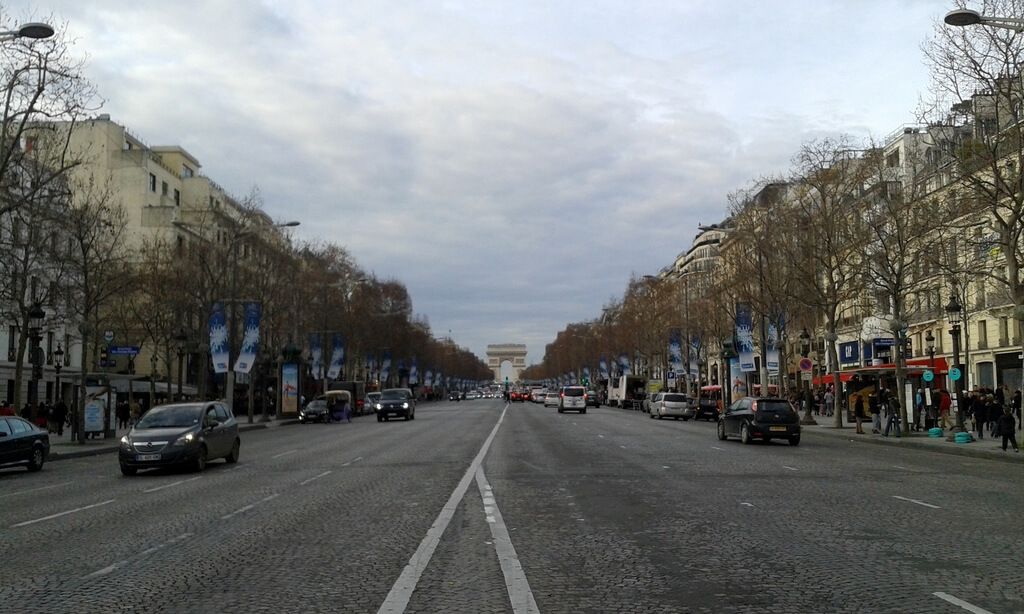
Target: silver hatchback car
(672, 405)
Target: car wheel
(232, 457)
(200, 463)
(380, 418)
(652, 416)
(794, 440)
(685, 419)
(721, 431)
(745, 433)
(38, 457)
(406, 417)
(412, 416)
(128, 471)
(583, 411)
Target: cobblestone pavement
(607, 512)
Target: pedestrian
(1015, 405)
(875, 407)
(26, 412)
(6, 409)
(123, 415)
(944, 404)
(893, 416)
(830, 402)
(980, 416)
(858, 412)
(60, 416)
(346, 411)
(1007, 429)
(134, 412)
(42, 417)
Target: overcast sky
(511, 162)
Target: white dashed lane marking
(934, 507)
(59, 514)
(970, 607)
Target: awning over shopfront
(915, 367)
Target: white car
(551, 399)
(672, 405)
(574, 398)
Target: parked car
(551, 399)
(187, 434)
(592, 399)
(314, 411)
(23, 443)
(762, 418)
(396, 402)
(572, 398)
(707, 409)
(672, 405)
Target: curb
(952, 449)
(57, 456)
(251, 427)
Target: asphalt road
(604, 512)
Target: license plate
(778, 428)
(147, 457)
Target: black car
(454, 396)
(762, 418)
(188, 434)
(314, 411)
(396, 402)
(592, 399)
(707, 409)
(23, 443)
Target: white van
(573, 397)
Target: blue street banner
(371, 367)
(586, 373)
(289, 388)
(316, 356)
(603, 368)
(385, 366)
(219, 339)
(745, 337)
(250, 339)
(624, 364)
(337, 356)
(675, 351)
(695, 356)
(414, 373)
(773, 348)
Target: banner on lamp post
(385, 366)
(250, 339)
(316, 356)
(219, 352)
(745, 337)
(675, 352)
(289, 388)
(414, 373)
(603, 368)
(337, 356)
(772, 355)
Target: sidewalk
(62, 447)
(988, 448)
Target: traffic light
(728, 348)
(585, 381)
(104, 355)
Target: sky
(513, 163)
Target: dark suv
(396, 402)
(762, 418)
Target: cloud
(512, 163)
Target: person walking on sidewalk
(980, 416)
(892, 419)
(123, 415)
(1007, 429)
(944, 405)
(830, 402)
(1015, 406)
(60, 416)
(858, 412)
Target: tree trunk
(19, 365)
(837, 385)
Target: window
(10, 391)
(18, 425)
(152, 182)
(222, 413)
(49, 347)
(982, 334)
(186, 171)
(938, 341)
(11, 334)
(177, 197)
(1004, 330)
(5, 428)
(67, 349)
(163, 188)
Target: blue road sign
(123, 350)
(954, 373)
(928, 376)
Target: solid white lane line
(172, 484)
(934, 507)
(59, 514)
(315, 477)
(519, 593)
(960, 602)
(788, 467)
(285, 453)
(21, 492)
(398, 597)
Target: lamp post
(929, 340)
(954, 313)
(34, 30)
(967, 17)
(181, 337)
(36, 315)
(805, 351)
(58, 364)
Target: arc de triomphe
(500, 352)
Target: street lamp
(34, 30)
(929, 340)
(36, 315)
(182, 338)
(58, 364)
(966, 17)
(953, 314)
(805, 351)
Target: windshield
(171, 417)
(573, 392)
(394, 395)
(675, 398)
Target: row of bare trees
(857, 230)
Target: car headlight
(185, 439)
(379, 406)
(405, 406)
(125, 442)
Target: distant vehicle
(357, 390)
(518, 396)
(472, 395)
(314, 411)
(761, 418)
(537, 395)
(672, 405)
(551, 399)
(370, 401)
(188, 434)
(592, 399)
(396, 402)
(626, 391)
(454, 396)
(23, 443)
(573, 398)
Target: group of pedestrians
(53, 417)
(995, 412)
